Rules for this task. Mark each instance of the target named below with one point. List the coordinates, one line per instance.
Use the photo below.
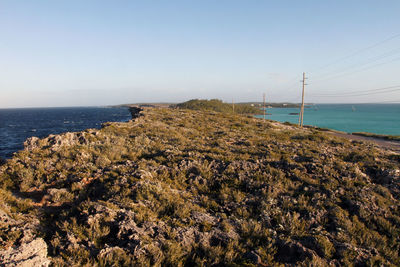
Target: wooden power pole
(302, 101)
(264, 105)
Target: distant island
(195, 184)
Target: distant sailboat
(353, 108)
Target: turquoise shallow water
(373, 118)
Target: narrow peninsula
(182, 187)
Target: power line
(381, 102)
(358, 94)
(360, 91)
(359, 51)
(390, 101)
(369, 61)
(357, 71)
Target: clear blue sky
(82, 53)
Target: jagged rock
(97, 211)
(31, 143)
(363, 254)
(220, 238)
(33, 253)
(5, 219)
(253, 257)
(67, 139)
(197, 179)
(135, 112)
(73, 242)
(109, 251)
(29, 250)
(204, 217)
(127, 228)
(187, 236)
(54, 142)
(292, 252)
(58, 194)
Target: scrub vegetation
(179, 187)
(218, 105)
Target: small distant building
(252, 105)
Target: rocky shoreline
(179, 187)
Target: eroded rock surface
(177, 187)
(28, 250)
(33, 253)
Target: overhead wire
(341, 73)
(359, 51)
(357, 71)
(357, 94)
(381, 102)
(369, 61)
(382, 89)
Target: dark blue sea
(16, 125)
(350, 118)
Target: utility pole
(264, 105)
(302, 101)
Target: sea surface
(16, 125)
(350, 118)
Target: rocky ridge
(179, 187)
(25, 248)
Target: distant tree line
(219, 106)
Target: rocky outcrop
(135, 112)
(28, 249)
(33, 253)
(292, 252)
(55, 142)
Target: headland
(197, 187)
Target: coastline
(19, 124)
(379, 119)
(386, 141)
(199, 182)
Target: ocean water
(16, 125)
(373, 118)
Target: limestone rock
(31, 143)
(33, 253)
(292, 251)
